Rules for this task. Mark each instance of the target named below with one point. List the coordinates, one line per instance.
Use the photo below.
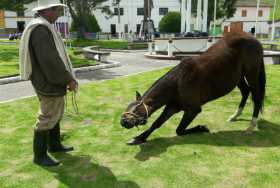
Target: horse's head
(136, 113)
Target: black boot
(40, 149)
(55, 144)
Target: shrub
(170, 23)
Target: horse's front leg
(188, 116)
(164, 116)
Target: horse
(235, 60)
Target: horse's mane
(156, 82)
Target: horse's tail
(262, 82)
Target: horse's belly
(221, 87)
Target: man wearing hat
(44, 61)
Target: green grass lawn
(226, 157)
(9, 61)
(112, 44)
(108, 44)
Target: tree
(14, 5)
(170, 23)
(81, 13)
(93, 25)
(225, 9)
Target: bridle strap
(146, 108)
(136, 115)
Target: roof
(251, 3)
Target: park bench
(93, 52)
(275, 55)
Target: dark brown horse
(235, 60)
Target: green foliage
(91, 25)
(223, 158)
(170, 23)
(81, 11)
(277, 12)
(14, 5)
(225, 8)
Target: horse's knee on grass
(196, 129)
(181, 132)
(200, 129)
(136, 141)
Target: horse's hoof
(135, 141)
(250, 130)
(247, 132)
(231, 119)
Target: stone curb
(104, 65)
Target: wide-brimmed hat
(45, 4)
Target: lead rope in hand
(74, 102)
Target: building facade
(132, 13)
(245, 14)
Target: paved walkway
(131, 63)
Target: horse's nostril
(123, 122)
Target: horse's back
(218, 71)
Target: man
(44, 60)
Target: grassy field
(108, 44)
(9, 60)
(223, 158)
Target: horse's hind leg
(245, 90)
(188, 116)
(164, 116)
(255, 88)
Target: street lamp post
(198, 16)
(215, 16)
(257, 14)
(183, 16)
(205, 15)
(273, 22)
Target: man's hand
(72, 85)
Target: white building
(246, 12)
(132, 12)
(131, 16)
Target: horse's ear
(138, 96)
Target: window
(140, 11)
(113, 29)
(126, 28)
(260, 13)
(116, 11)
(163, 11)
(244, 13)
(138, 27)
